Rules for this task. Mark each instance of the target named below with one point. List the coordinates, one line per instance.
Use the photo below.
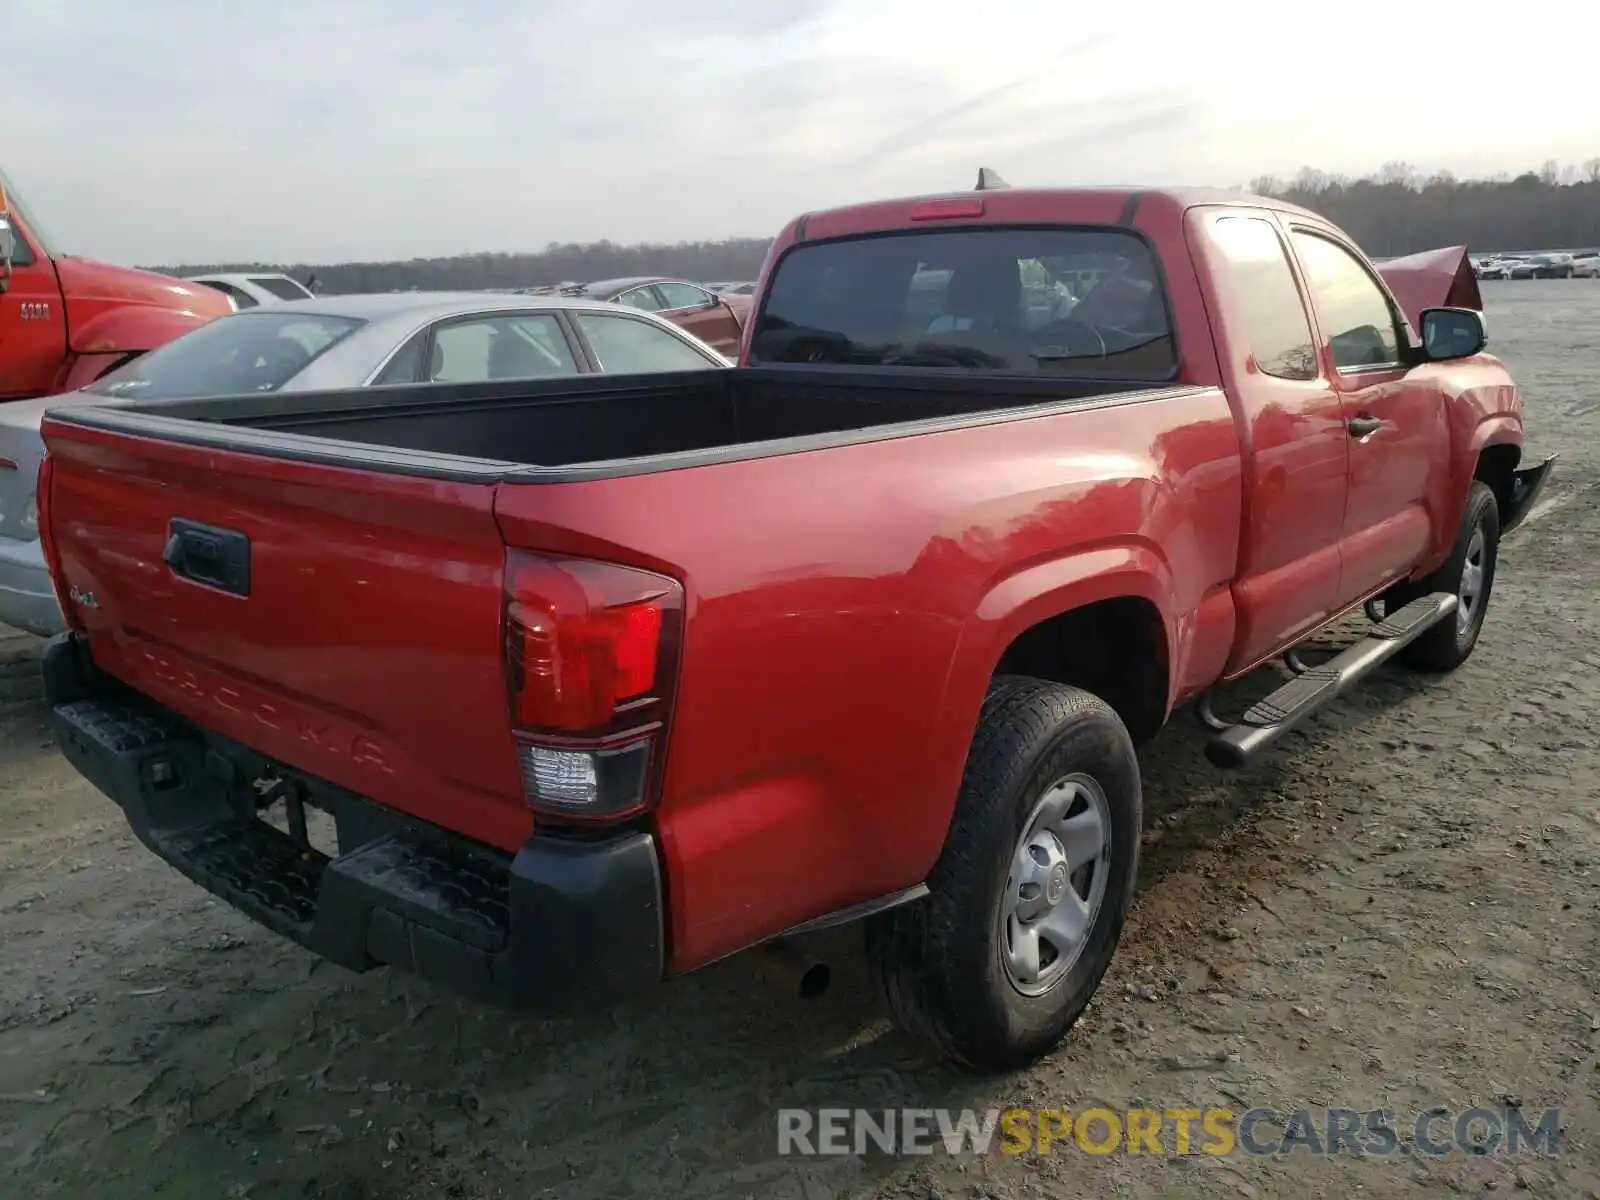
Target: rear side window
(258, 351)
(628, 346)
(406, 365)
(1082, 301)
(1274, 314)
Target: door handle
(1359, 427)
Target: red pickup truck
(603, 680)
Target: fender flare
(1496, 429)
(1491, 429)
(1017, 602)
(133, 330)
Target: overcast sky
(158, 131)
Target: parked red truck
(605, 680)
(65, 321)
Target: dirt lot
(1401, 908)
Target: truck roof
(1177, 199)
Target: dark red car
(714, 319)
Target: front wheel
(1028, 898)
(1469, 575)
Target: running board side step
(1270, 718)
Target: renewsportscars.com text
(1262, 1132)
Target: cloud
(941, 124)
(188, 130)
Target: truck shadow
(1191, 805)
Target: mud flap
(1526, 485)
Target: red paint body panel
(1432, 279)
(845, 605)
(93, 316)
(371, 653)
(721, 326)
(118, 310)
(835, 652)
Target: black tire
(1449, 644)
(939, 961)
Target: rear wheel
(1468, 574)
(1029, 895)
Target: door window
(628, 346)
(644, 298)
(21, 252)
(1274, 314)
(1360, 321)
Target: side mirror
(1449, 333)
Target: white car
(253, 291)
(1586, 264)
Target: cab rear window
(1079, 301)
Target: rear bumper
(27, 598)
(559, 926)
(1526, 486)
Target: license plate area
(282, 803)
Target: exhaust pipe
(788, 968)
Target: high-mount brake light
(591, 664)
(943, 210)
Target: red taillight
(937, 210)
(591, 657)
(47, 543)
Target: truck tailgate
(344, 622)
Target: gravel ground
(1400, 908)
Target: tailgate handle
(204, 554)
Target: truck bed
(635, 423)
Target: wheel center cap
(1056, 886)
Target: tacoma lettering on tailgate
(325, 734)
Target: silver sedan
(325, 343)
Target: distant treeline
(1400, 210)
(711, 262)
(1397, 211)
